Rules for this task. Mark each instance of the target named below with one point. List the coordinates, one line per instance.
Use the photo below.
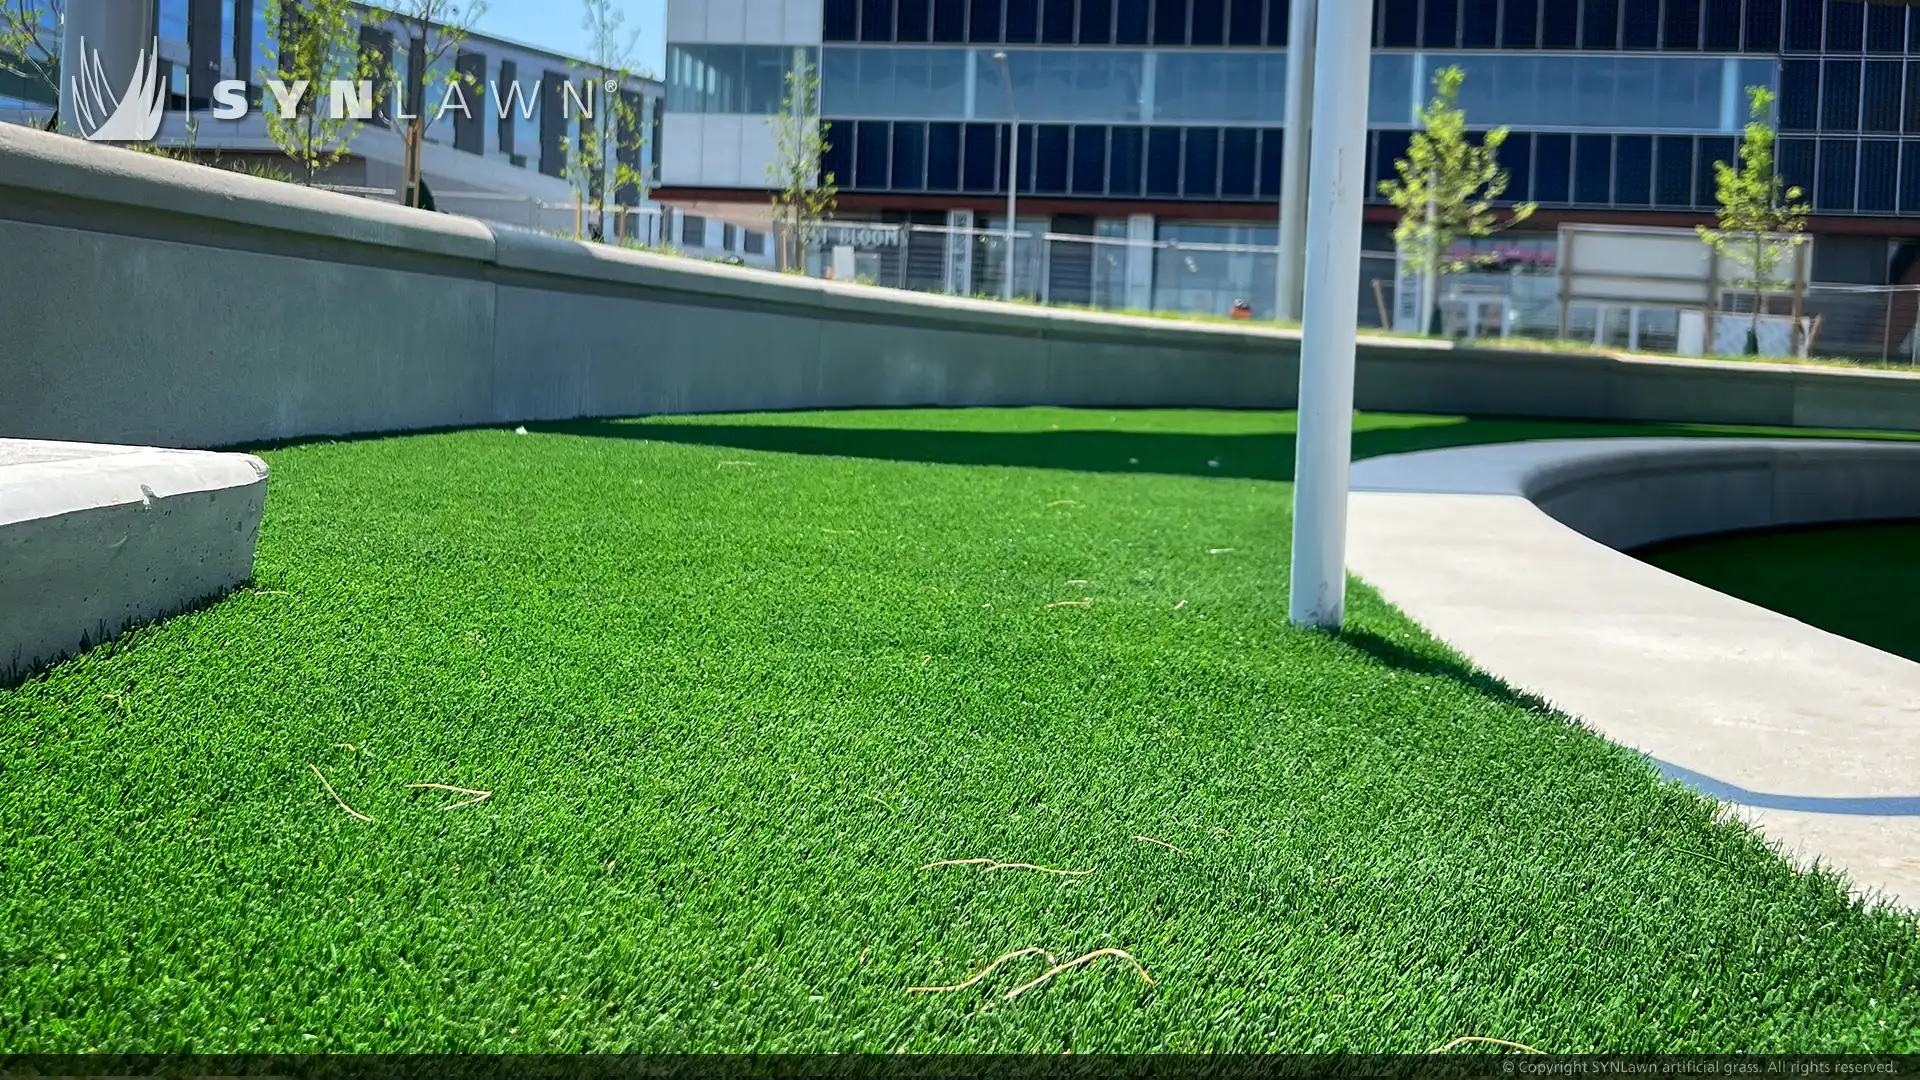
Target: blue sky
(555, 24)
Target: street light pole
(1292, 269)
(1335, 190)
(1013, 171)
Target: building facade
(1161, 119)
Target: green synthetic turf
(730, 692)
(1858, 581)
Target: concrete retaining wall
(153, 302)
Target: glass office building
(1162, 119)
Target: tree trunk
(1430, 295)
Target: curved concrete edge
(98, 539)
(1503, 552)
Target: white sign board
(1624, 266)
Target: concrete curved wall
(1628, 493)
(153, 302)
(1507, 553)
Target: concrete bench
(97, 539)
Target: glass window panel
(984, 25)
(1911, 124)
(1673, 171)
(1886, 31)
(1440, 24)
(1124, 161)
(1520, 24)
(1089, 160)
(1763, 27)
(1910, 178)
(1390, 97)
(1277, 16)
(1593, 169)
(1096, 22)
(1399, 23)
(909, 157)
(1246, 22)
(1026, 162)
(840, 20)
(764, 78)
(1799, 107)
(1796, 164)
(1063, 85)
(876, 20)
(949, 20)
(1879, 176)
(1170, 22)
(1840, 95)
(1392, 147)
(872, 155)
(1163, 161)
(1202, 172)
(1480, 24)
(1209, 23)
(1600, 24)
(1560, 25)
(1633, 170)
(1023, 21)
(1050, 163)
(1846, 30)
(1705, 179)
(1131, 23)
(1552, 168)
(837, 160)
(943, 157)
(1682, 26)
(914, 20)
(1272, 153)
(982, 160)
(1239, 158)
(1056, 22)
(1804, 28)
(1880, 96)
(1721, 26)
(1517, 158)
(1834, 194)
(1532, 90)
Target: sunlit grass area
(710, 699)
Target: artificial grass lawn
(1858, 581)
(730, 694)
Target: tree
(606, 150)
(310, 45)
(804, 196)
(1761, 219)
(30, 44)
(432, 32)
(1446, 189)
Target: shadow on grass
(1262, 456)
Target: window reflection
(748, 79)
(1244, 87)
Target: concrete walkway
(1815, 738)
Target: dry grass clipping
(995, 864)
(336, 795)
(1063, 502)
(984, 972)
(1083, 602)
(1162, 843)
(1465, 1039)
(1059, 969)
(477, 795)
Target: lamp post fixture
(1013, 170)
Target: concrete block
(96, 539)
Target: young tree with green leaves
(30, 46)
(430, 32)
(1761, 219)
(804, 196)
(1446, 189)
(606, 150)
(311, 44)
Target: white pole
(1293, 161)
(1336, 194)
(1013, 170)
(1013, 198)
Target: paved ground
(1815, 738)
